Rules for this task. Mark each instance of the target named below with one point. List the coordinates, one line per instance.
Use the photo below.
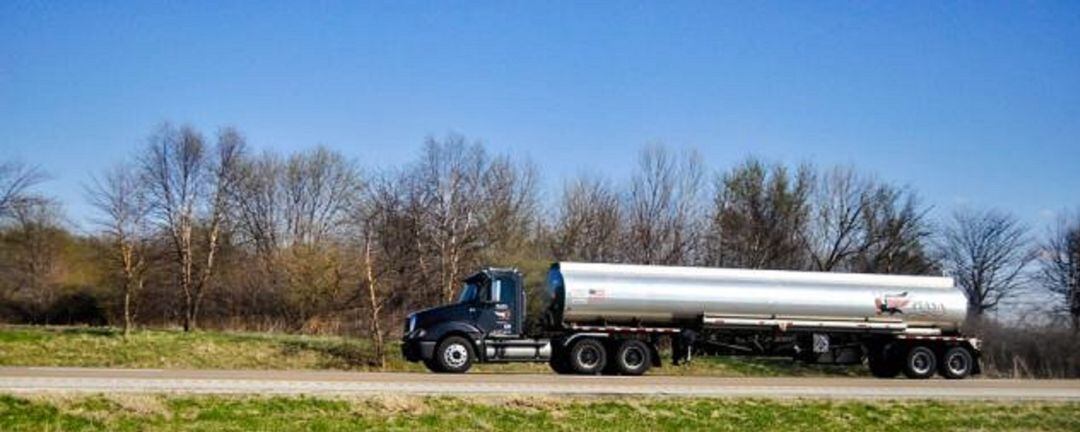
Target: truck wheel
(632, 357)
(920, 363)
(956, 363)
(454, 355)
(588, 357)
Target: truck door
(500, 315)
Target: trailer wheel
(632, 357)
(588, 357)
(454, 355)
(956, 363)
(920, 363)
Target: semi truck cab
(484, 325)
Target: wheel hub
(456, 355)
(633, 358)
(957, 364)
(920, 363)
(589, 357)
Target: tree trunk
(376, 308)
(189, 313)
(127, 312)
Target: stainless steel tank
(625, 294)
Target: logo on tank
(902, 303)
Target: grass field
(168, 349)
(219, 413)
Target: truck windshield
(468, 293)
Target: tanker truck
(614, 319)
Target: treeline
(201, 231)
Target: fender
(442, 329)
(565, 343)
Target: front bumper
(415, 350)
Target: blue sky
(971, 103)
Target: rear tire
(956, 363)
(633, 357)
(588, 357)
(454, 355)
(920, 363)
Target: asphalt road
(79, 380)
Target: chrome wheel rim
(589, 357)
(957, 364)
(456, 355)
(921, 363)
(633, 357)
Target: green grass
(173, 349)
(221, 413)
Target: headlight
(411, 325)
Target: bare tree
(448, 189)
(759, 217)
(588, 222)
(121, 198)
(896, 234)
(987, 252)
(663, 208)
(189, 186)
(257, 201)
(320, 188)
(509, 208)
(376, 218)
(837, 230)
(31, 251)
(15, 180)
(1060, 268)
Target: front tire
(920, 363)
(454, 355)
(957, 363)
(588, 357)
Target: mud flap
(682, 346)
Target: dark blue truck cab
(484, 325)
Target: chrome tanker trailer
(612, 319)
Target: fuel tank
(587, 293)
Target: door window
(506, 293)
